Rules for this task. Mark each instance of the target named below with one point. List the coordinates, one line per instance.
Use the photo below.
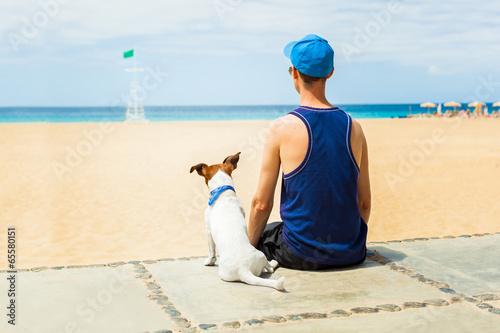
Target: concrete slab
(184, 293)
(469, 265)
(453, 318)
(82, 300)
(200, 295)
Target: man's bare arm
(364, 192)
(262, 202)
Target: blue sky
(229, 52)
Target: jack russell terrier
(227, 230)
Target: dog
(227, 230)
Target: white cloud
(448, 36)
(454, 36)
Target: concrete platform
(199, 294)
(468, 265)
(96, 299)
(453, 318)
(408, 286)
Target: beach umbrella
(453, 105)
(475, 104)
(495, 105)
(428, 105)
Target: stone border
(423, 239)
(135, 262)
(111, 264)
(158, 295)
(276, 320)
(456, 297)
(452, 297)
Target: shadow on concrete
(383, 251)
(386, 252)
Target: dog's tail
(249, 278)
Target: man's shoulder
(283, 126)
(285, 122)
(355, 124)
(358, 140)
(357, 130)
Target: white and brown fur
(227, 231)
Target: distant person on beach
(325, 192)
(478, 112)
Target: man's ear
(199, 168)
(233, 160)
(331, 73)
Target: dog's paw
(280, 284)
(210, 261)
(273, 264)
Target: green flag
(128, 54)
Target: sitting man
(325, 193)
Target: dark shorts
(272, 245)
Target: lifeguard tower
(135, 108)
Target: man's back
(319, 206)
(289, 147)
(293, 141)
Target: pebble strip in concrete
(158, 295)
(450, 295)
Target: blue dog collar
(215, 193)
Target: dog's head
(227, 166)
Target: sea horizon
(71, 114)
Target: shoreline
(233, 121)
(191, 113)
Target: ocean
(191, 113)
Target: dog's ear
(199, 168)
(233, 160)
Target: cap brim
(288, 49)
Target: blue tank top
(319, 209)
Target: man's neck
(314, 97)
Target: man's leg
(272, 245)
(269, 239)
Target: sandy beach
(89, 193)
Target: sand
(90, 193)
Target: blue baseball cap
(312, 55)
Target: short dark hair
(310, 80)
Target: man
(325, 193)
